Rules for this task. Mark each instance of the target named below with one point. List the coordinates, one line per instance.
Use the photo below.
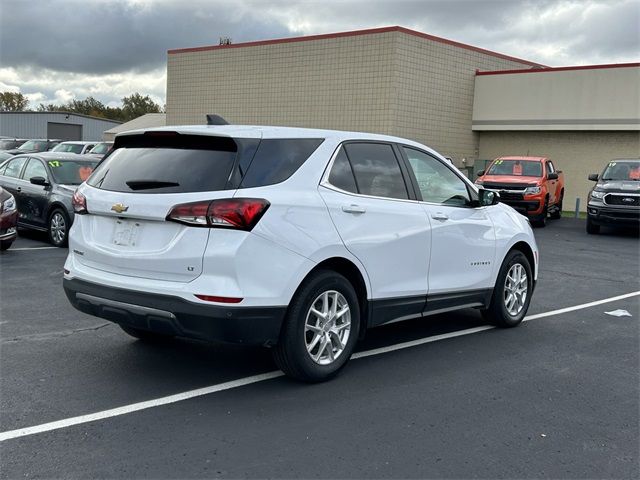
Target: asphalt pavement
(557, 397)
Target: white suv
(296, 239)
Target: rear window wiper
(149, 184)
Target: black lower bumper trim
(175, 316)
(612, 216)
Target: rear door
(10, 178)
(130, 195)
(368, 200)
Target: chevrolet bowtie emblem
(119, 208)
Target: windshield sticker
(54, 163)
(517, 169)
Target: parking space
(556, 397)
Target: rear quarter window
(277, 159)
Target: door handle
(353, 209)
(19, 189)
(440, 216)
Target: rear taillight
(237, 213)
(79, 203)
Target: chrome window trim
(324, 182)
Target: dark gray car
(43, 186)
(615, 199)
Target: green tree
(13, 102)
(136, 105)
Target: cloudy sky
(56, 50)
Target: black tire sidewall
(501, 316)
(5, 244)
(293, 336)
(67, 222)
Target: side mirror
(593, 177)
(39, 181)
(552, 176)
(488, 197)
(480, 173)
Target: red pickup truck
(531, 185)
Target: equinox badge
(119, 208)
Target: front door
(462, 235)
(34, 197)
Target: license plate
(125, 233)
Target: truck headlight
(9, 205)
(597, 194)
(532, 190)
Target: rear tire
(592, 228)
(512, 292)
(145, 335)
(320, 329)
(5, 244)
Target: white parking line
(30, 248)
(178, 397)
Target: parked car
(298, 239)
(101, 149)
(531, 185)
(34, 146)
(74, 147)
(615, 198)
(43, 186)
(11, 143)
(5, 155)
(8, 219)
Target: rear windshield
(68, 147)
(101, 148)
(10, 144)
(39, 145)
(525, 168)
(164, 165)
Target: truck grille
(511, 196)
(622, 200)
(506, 186)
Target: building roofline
(354, 33)
(62, 112)
(560, 69)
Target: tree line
(132, 107)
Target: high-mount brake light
(234, 213)
(79, 202)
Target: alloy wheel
(327, 327)
(516, 288)
(58, 228)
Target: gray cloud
(110, 48)
(106, 37)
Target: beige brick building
(468, 103)
(388, 80)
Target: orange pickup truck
(531, 185)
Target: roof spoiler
(213, 119)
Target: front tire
(320, 329)
(512, 292)
(58, 230)
(5, 244)
(592, 228)
(541, 221)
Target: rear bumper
(604, 215)
(175, 316)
